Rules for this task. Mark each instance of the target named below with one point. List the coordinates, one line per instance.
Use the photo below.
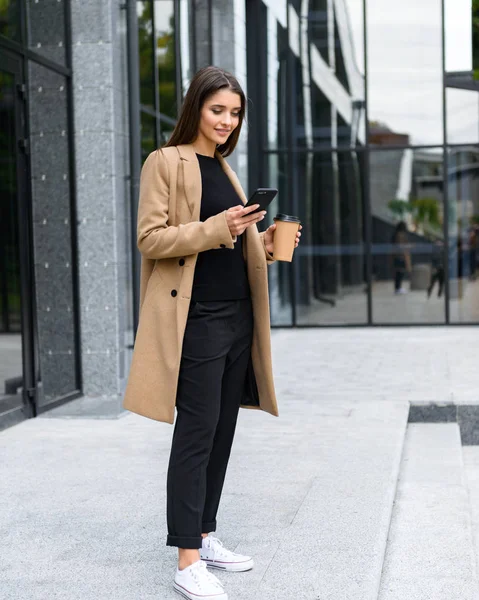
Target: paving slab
(430, 546)
(471, 466)
(82, 504)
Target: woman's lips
(223, 131)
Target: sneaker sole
(191, 596)
(230, 567)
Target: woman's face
(220, 116)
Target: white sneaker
(197, 583)
(216, 555)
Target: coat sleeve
(158, 240)
(269, 257)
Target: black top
(220, 274)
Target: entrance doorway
(17, 292)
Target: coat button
(182, 262)
(222, 245)
(174, 293)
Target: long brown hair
(204, 84)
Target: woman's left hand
(269, 237)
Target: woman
(401, 256)
(203, 341)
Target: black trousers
(216, 352)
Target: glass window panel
(11, 370)
(280, 272)
(186, 46)
(405, 72)
(458, 32)
(462, 116)
(406, 195)
(166, 57)
(328, 44)
(475, 38)
(145, 49)
(463, 220)
(10, 20)
(148, 135)
(268, 78)
(46, 28)
(330, 262)
(51, 188)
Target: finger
(249, 209)
(238, 208)
(253, 218)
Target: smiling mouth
(224, 131)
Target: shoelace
(218, 547)
(200, 571)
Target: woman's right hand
(239, 218)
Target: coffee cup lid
(289, 218)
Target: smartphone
(263, 197)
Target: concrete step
(471, 466)
(309, 495)
(430, 547)
(313, 505)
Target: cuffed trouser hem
(208, 527)
(191, 543)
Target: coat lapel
(191, 179)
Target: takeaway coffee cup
(285, 236)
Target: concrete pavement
(310, 494)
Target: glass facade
(160, 91)
(373, 144)
(365, 120)
(39, 338)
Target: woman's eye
(216, 111)
(235, 115)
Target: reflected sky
(405, 62)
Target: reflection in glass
(458, 32)
(463, 219)
(55, 300)
(145, 48)
(166, 57)
(328, 74)
(46, 29)
(11, 373)
(475, 38)
(406, 195)
(279, 273)
(462, 116)
(9, 20)
(271, 99)
(405, 72)
(148, 135)
(329, 266)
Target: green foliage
(399, 208)
(425, 211)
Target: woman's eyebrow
(223, 106)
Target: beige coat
(170, 236)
